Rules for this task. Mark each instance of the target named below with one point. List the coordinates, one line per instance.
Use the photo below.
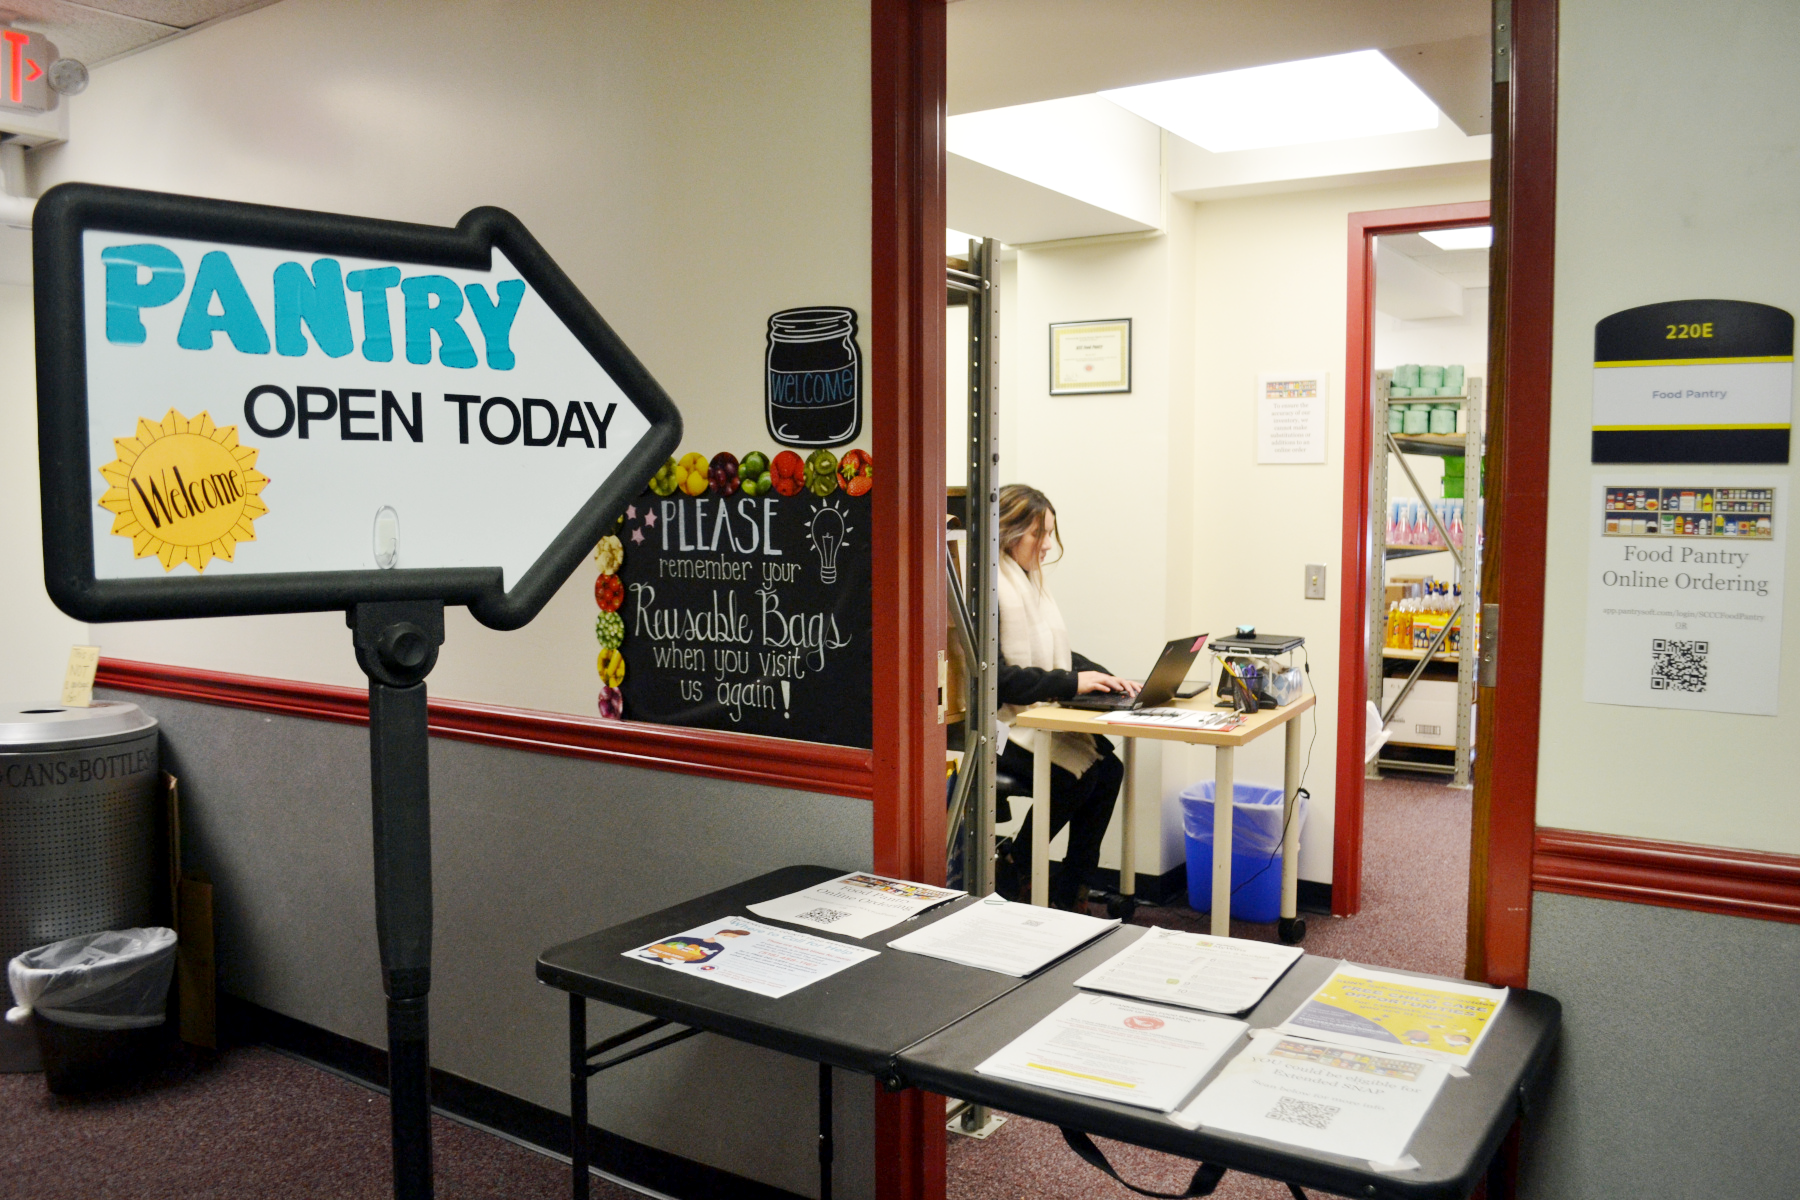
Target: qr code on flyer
(1303, 1112)
(1677, 666)
(822, 916)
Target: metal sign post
(271, 410)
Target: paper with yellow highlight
(1441, 1019)
(183, 491)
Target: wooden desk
(1046, 719)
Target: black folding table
(914, 1021)
(1454, 1145)
(858, 1019)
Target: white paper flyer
(1146, 1055)
(742, 953)
(999, 935)
(855, 905)
(1685, 578)
(1219, 974)
(1335, 1099)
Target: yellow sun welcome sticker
(184, 490)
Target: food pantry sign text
(252, 409)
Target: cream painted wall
(34, 637)
(1107, 461)
(1270, 288)
(1462, 339)
(693, 166)
(956, 395)
(1170, 524)
(1677, 176)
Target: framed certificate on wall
(1090, 356)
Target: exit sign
(25, 61)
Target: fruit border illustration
(724, 474)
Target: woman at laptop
(1036, 665)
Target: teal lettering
(424, 318)
(236, 317)
(496, 319)
(378, 334)
(128, 292)
(318, 302)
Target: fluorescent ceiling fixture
(1285, 104)
(1470, 237)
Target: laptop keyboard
(1100, 702)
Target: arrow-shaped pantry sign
(247, 409)
(251, 410)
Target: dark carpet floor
(251, 1123)
(244, 1125)
(1415, 910)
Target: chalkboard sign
(726, 609)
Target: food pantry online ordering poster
(734, 594)
(1685, 575)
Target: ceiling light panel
(1285, 104)
(1470, 237)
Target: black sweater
(1033, 685)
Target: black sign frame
(67, 211)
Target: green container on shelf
(1397, 418)
(1443, 418)
(1418, 418)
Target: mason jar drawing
(813, 387)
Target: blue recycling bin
(1255, 848)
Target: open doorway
(1418, 345)
(1229, 266)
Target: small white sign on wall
(1290, 417)
(1685, 575)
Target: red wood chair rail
(742, 758)
(1712, 879)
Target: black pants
(1084, 803)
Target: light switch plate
(1315, 581)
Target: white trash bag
(113, 980)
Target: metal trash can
(78, 849)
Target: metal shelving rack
(1470, 443)
(975, 607)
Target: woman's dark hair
(1022, 509)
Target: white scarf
(1032, 634)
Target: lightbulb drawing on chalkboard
(827, 530)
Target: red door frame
(906, 409)
(1360, 443)
(907, 44)
(1518, 475)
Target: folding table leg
(1040, 819)
(825, 1147)
(1223, 769)
(578, 1097)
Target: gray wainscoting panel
(528, 850)
(1679, 1069)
